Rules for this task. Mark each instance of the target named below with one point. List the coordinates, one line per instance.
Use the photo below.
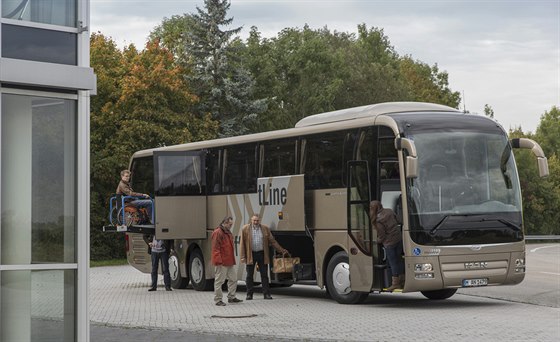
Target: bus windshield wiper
(504, 222)
(439, 224)
(443, 220)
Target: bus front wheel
(338, 281)
(177, 282)
(198, 273)
(439, 294)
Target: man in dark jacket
(223, 260)
(159, 249)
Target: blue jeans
(394, 257)
(164, 257)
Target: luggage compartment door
(180, 199)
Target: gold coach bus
(450, 177)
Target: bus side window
(240, 169)
(214, 171)
(142, 175)
(279, 158)
(325, 159)
(390, 187)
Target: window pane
(38, 180)
(142, 177)
(180, 174)
(214, 171)
(55, 12)
(37, 305)
(240, 169)
(387, 148)
(279, 158)
(39, 45)
(326, 156)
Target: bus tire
(439, 294)
(197, 272)
(338, 281)
(177, 282)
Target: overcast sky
(505, 53)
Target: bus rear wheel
(439, 294)
(177, 282)
(338, 281)
(197, 272)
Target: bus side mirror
(411, 167)
(411, 159)
(537, 151)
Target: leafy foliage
(541, 196)
(303, 72)
(548, 132)
(143, 102)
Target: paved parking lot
(121, 309)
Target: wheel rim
(341, 278)
(130, 218)
(197, 270)
(174, 267)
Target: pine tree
(224, 86)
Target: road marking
(558, 274)
(536, 249)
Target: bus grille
(454, 272)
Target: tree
(488, 111)
(305, 71)
(223, 85)
(541, 196)
(144, 103)
(173, 34)
(427, 83)
(548, 132)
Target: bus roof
(339, 119)
(372, 111)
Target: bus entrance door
(180, 201)
(359, 228)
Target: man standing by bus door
(255, 241)
(223, 260)
(159, 249)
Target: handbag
(283, 264)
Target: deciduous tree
(144, 103)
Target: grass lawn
(111, 262)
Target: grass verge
(111, 262)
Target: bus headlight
(519, 265)
(423, 268)
(423, 271)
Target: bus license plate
(475, 282)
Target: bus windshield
(467, 190)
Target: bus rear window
(142, 175)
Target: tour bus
(450, 177)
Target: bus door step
(382, 276)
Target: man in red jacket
(223, 260)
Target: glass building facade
(45, 85)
